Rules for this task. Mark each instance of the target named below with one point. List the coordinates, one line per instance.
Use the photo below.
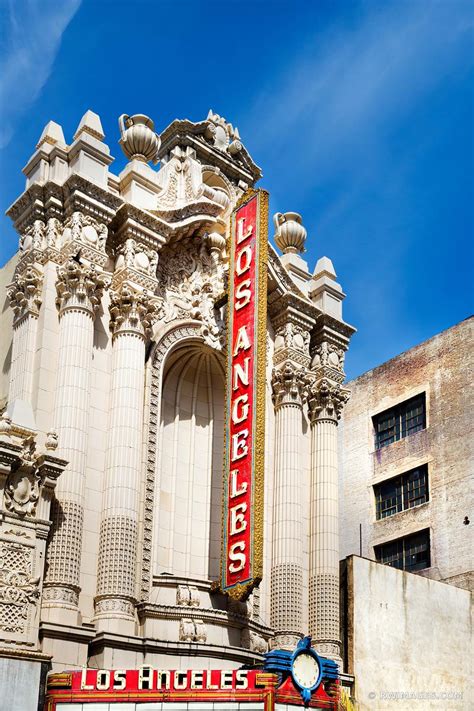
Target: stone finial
(52, 134)
(138, 139)
(324, 267)
(224, 136)
(324, 291)
(290, 235)
(90, 124)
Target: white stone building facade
(111, 442)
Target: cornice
(147, 645)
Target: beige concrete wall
(442, 367)
(408, 640)
(6, 328)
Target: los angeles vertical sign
(242, 548)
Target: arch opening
(190, 489)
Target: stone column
(326, 399)
(132, 313)
(79, 291)
(25, 300)
(286, 578)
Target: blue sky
(359, 113)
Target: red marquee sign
(241, 568)
(204, 687)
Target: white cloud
(32, 36)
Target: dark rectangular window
(402, 492)
(400, 421)
(409, 553)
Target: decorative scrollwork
(25, 293)
(326, 400)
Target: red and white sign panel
(245, 400)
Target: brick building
(406, 447)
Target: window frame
(398, 421)
(403, 501)
(402, 552)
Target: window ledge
(402, 513)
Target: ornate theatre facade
(114, 436)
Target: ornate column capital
(290, 385)
(133, 312)
(25, 294)
(80, 287)
(29, 472)
(326, 400)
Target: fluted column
(132, 313)
(79, 291)
(25, 300)
(286, 578)
(325, 400)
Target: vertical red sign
(245, 398)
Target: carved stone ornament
(328, 354)
(53, 233)
(133, 311)
(290, 235)
(23, 485)
(187, 596)
(326, 400)
(25, 293)
(134, 255)
(80, 286)
(189, 284)
(290, 385)
(192, 630)
(293, 336)
(253, 641)
(19, 589)
(222, 134)
(33, 237)
(86, 230)
(138, 138)
(120, 606)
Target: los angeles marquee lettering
(147, 678)
(244, 431)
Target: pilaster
(326, 399)
(79, 289)
(27, 480)
(289, 384)
(132, 313)
(25, 299)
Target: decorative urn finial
(290, 235)
(138, 138)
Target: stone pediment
(223, 150)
